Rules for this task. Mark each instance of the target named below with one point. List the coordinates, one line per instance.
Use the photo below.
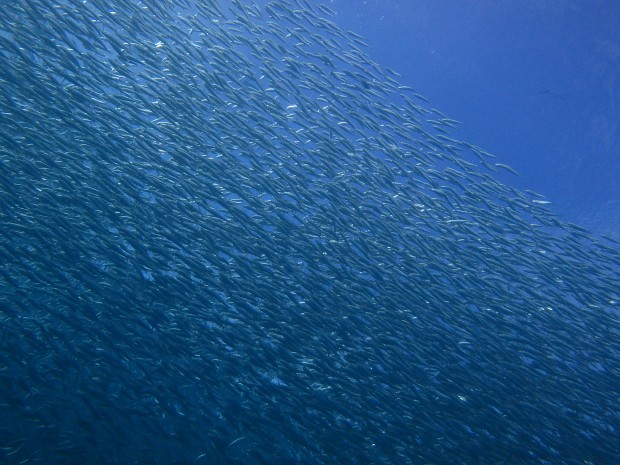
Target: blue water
(536, 83)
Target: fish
(229, 235)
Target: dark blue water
(537, 83)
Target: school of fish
(228, 236)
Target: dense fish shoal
(228, 236)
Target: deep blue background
(536, 83)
